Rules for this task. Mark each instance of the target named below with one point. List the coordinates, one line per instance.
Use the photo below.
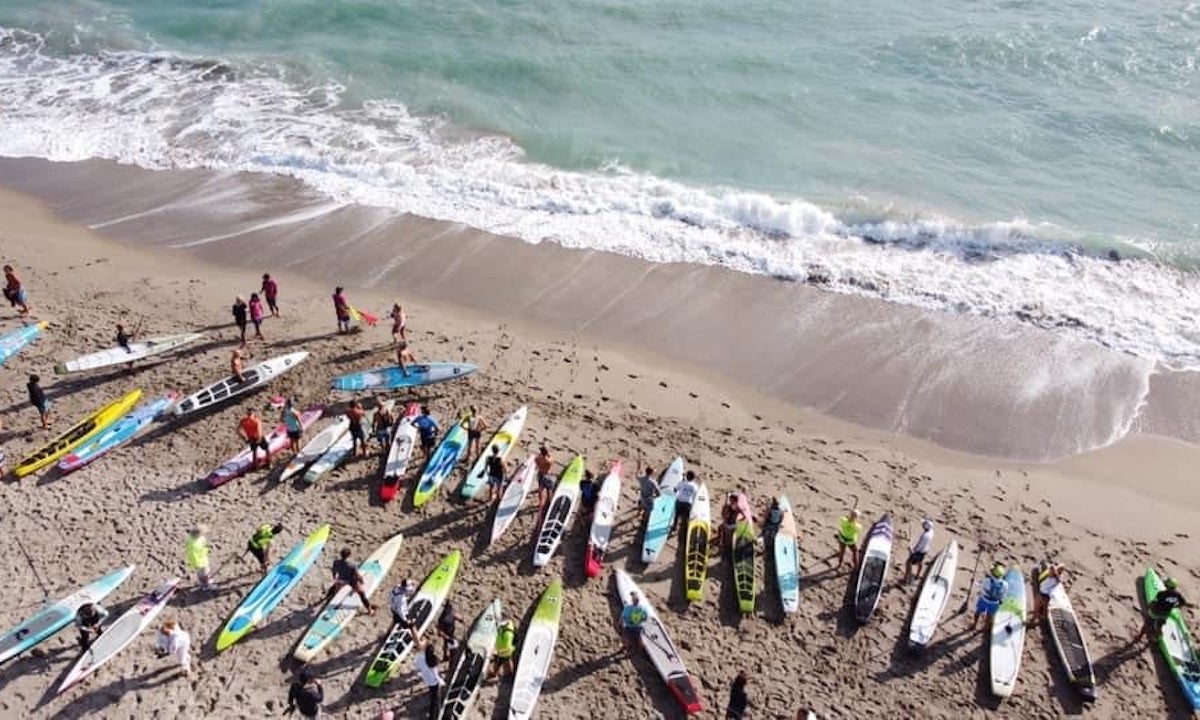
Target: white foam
(162, 111)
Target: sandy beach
(609, 369)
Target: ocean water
(1018, 160)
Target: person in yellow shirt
(196, 549)
(849, 531)
(502, 660)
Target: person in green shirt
(196, 550)
(502, 660)
(849, 530)
(260, 543)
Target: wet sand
(1105, 514)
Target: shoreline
(995, 388)
(605, 400)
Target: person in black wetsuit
(346, 574)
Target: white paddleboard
(119, 355)
(519, 483)
(504, 439)
(316, 447)
(1008, 636)
(935, 592)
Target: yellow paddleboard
(84, 429)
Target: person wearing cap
(270, 291)
(992, 590)
(506, 645)
(400, 603)
(849, 530)
(196, 550)
(305, 695)
(1048, 575)
(1160, 608)
(633, 617)
(346, 574)
(920, 548)
(259, 544)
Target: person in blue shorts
(427, 429)
(991, 592)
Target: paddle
(33, 569)
(967, 600)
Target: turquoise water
(972, 157)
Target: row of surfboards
(536, 650)
(1007, 637)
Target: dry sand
(1106, 514)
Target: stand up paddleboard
(120, 356)
(872, 570)
(603, 521)
(472, 666)
(272, 589)
(441, 463)
(742, 554)
(537, 652)
(787, 559)
(277, 442)
(559, 513)
(117, 434)
(316, 447)
(422, 611)
(1068, 639)
(661, 649)
(519, 483)
(392, 378)
(1008, 636)
(504, 439)
(15, 341)
(699, 534)
(53, 618)
(123, 631)
(1175, 643)
(404, 439)
(346, 604)
(935, 593)
(662, 512)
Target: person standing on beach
(426, 663)
(730, 513)
(1157, 612)
(401, 601)
(235, 365)
(647, 491)
(295, 429)
(545, 480)
(427, 430)
(341, 307)
(849, 529)
(1048, 576)
(123, 338)
(992, 590)
(174, 641)
(685, 495)
(358, 435)
(346, 574)
(256, 315)
(589, 493)
(447, 623)
(240, 315)
(89, 619)
(497, 470)
(404, 356)
(399, 324)
(14, 291)
(259, 544)
(633, 617)
(270, 291)
(195, 549)
(739, 701)
(382, 425)
(37, 398)
(474, 422)
(305, 695)
(506, 644)
(251, 428)
(920, 548)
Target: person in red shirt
(270, 291)
(251, 428)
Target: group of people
(253, 312)
(171, 639)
